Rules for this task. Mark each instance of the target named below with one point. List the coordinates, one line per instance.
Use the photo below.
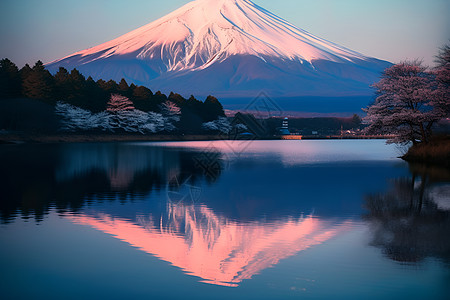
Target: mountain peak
(205, 31)
(243, 44)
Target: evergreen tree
(62, 76)
(356, 121)
(156, 100)
(123, 88)
(98, 98)
(191, 116)
(10, 81)
(38, 84)
(177, 99)
(24, 73)
(212, 109)
(102, 84)
(142, 93)
(76, 93)
(143, 100)
(194, 104)
(61, 84)
(160, 96)
(110, 86)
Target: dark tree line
(33, 196)
(73, 88)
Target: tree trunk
(429, 131)
(423, 134)
(413, 139)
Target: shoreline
(436, 152)
(28, 138)
(96, 138)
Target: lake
(317, 219)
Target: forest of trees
(80, 97)
(79, 104)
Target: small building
(284, 129)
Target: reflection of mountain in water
(412, 220)
(35, 178)
(214, 248)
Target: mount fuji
(233, 49)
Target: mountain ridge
(229, 48)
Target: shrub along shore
(437, 151)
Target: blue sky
(393, 30)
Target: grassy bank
(435, 152)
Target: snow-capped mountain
(229, 48)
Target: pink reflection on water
(294, 152)
(213, 248)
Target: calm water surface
(222, 220)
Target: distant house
(284, 129)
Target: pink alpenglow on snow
(217, 250)
(229, 48)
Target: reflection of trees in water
(411, 221)
(35, 179)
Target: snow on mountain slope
(230, 48)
